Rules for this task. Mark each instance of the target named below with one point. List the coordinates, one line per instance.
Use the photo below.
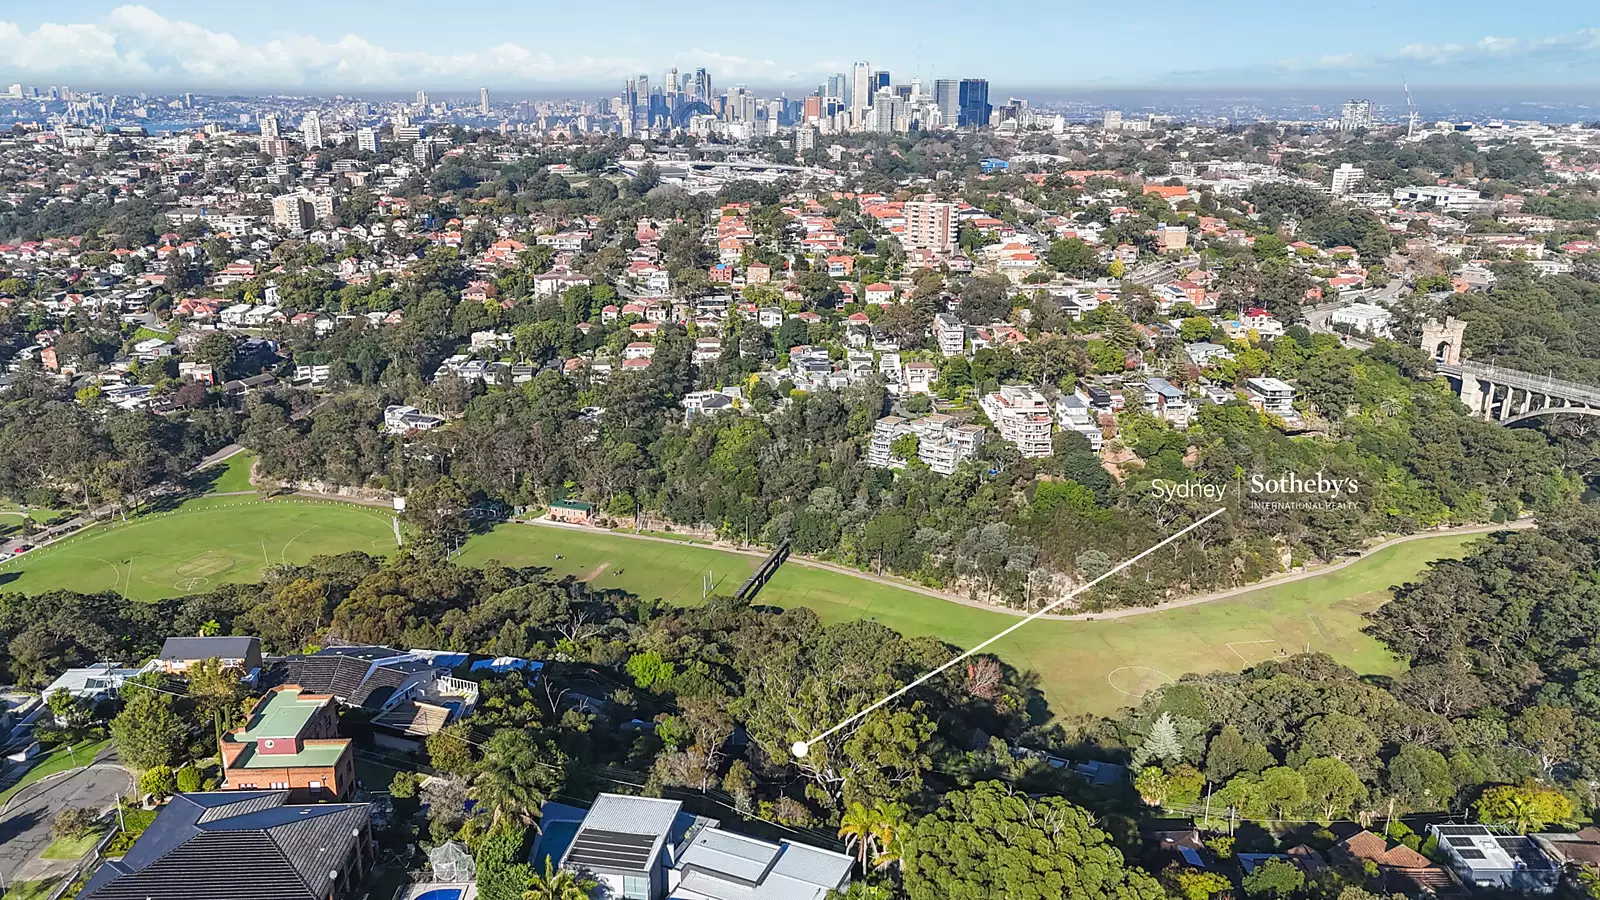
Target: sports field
(204, 542)
(230, 476)
(1085, 666)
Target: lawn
(72, 848)
(232, 475)
(1084, 666)
(204, 542)
(57, 760)
(31, 890)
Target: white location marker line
(801, 748)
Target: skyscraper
(483, 100)
(702, 85)
(269, 127)
(422, 101)
(367, 140)
(311, 130)
(1356, 115)
(880, 80)
(836, 88)
(947, 96)
(861, 86)
(975, 108)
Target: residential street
(25, 822)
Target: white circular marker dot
(800, 749)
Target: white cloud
(1573, 57)
(135, 44)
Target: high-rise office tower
(836, 88)
(483, 100)
(1355, 115)
(947, 96)
(311, 130)
(880, 80)
(975, 108)
(673, 85)
(422, 101)
(861, 86)
(702, 85)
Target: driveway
(25, 823)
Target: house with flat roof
(642, 848)
(1487, 858)
(239, 844)
(290, 742)
(98, 682)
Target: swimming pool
(439, 894)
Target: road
(25, 822)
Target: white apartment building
(1073, 413)
(1273, 395)
(367, 140)
(1445, 199)
(930, 225)
(1363, 318)
(1347, 178)
(311, 130)
(941, 443)
(950, 333)
(1022, 417)
(1355, 115)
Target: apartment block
(1022, 416)
(290, 742)
(930, 225)
(950, 333)
(942, 443)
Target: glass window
(635, 887)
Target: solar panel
(1459, 841)
(611, 849)
(1471, 854)
(1461, 829)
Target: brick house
(290, 742)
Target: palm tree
(889, 820)
(557, 884)
(512, 780)
(856, 826)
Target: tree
(989, 841)
(502, 874)
(516, 775)
(1277, 878)
(147, 731)
(1332, 786)
(188, 780)
(873, 830)
(73, 822)
(158, 782)
(1284, 790)
(1420, 778)
(1152, 784)
(648, 670)
(1198, 884)
(1073, 257)
(558, 884)
(1524, 808)
(1162, 743)
(437, 514)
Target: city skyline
(167, 44)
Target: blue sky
(510, 45)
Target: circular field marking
(204, 566)
(1136, 681)
(191, 584)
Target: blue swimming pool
(440, 894)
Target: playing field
(1085, 666)
(230, 476)
(204, 542)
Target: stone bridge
(1497, 393)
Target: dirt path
(597, 571)
(1124, 613)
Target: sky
(542, 46)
